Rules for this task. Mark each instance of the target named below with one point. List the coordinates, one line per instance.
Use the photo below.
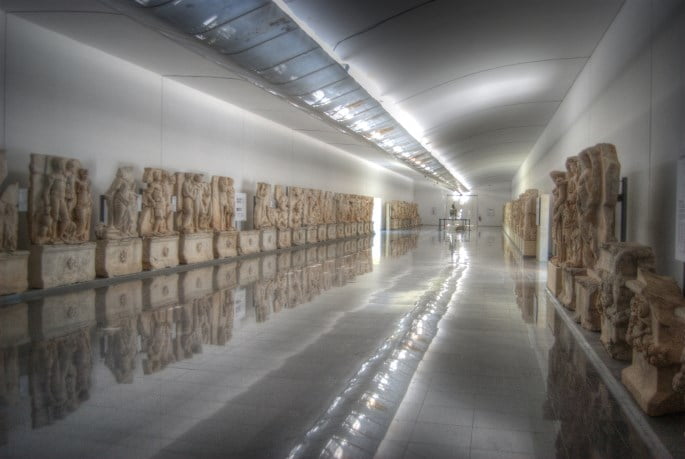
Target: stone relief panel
(157, 216)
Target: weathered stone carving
(281, 212)
(223, 203)
(194, 196)
(262, 206)
(656, 331)
(156, 337)
(559, 194)
(520, 222)
(60, 202)
(13, 263)
(156, 217)
(122, 207)
(297, 207)
(403, 214)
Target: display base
(57, 315)
(14, 270)
(312, 234)
(160, 252)
(284, 238)
(225, 244)
(195, 248)
(322, 233)
(268, 267)
(331, 231)
(268, 240)
(284, 261)
(340, 230)
(568, 291)
(118, 257)
(248, 272)
(554, 278)
(160, 291)
(361, 230)
(529, 248)
(55, 265)
(652, 386)
(299, 236)
(195, 283)
(587, 289)
(248, 242)
(120, 301)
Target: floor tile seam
(625, 401)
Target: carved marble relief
(222, 203)
(156, 216)
(122, 207)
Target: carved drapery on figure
(281, 213)
(60, 201)
(297, 207)
(122, 207)
(223, 203)
(9, 215)
(262, 206)
(193, 198)
(156, 216)
(558, 204)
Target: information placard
(680, 212)
(240, 207)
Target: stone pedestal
(568, 293)
(285, 238)
(529, 248)
(350, 229)
(331, 231)
(225, 244)
(340, 230)
(225, 276)
(268, 240)
(369, 228)
(248, 242)
(587, 289)
(248, 272)
(54, 265)
(652, 386)
(268, 267)
(312, 234)
(361, 229)
(299, 236)
(160, 252)
(554, 278)
(160, 291)
(195, 248)
(14, 272)
(118, 257)
(322, 233)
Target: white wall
(432, 196)
(631, 93)
(65, 98)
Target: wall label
(240, 207)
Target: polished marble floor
(412, 344)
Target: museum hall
(342, 229)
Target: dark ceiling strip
(232, 19)
(389, 18)
(287, 60)
(306, 74)
(446, 82)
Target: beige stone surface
(340, 231)
(568, 293)
(268, 240)
(322, 233)
(284, 238)
(402, 214)
(117, 257)
(361, 228)
(280, 216)
(160, 252)
(54, 265)
(586, 295)
(312, 234)
(262, 206)
(331, 231)
(656, 332)
(350, 230)
(311, 256)
(297, 206)
(195, 247)
(122, 207)
(225, 244)
(618, 263)
(9, 217)
(299, 258)
(248, 271)
(268, 266)
(156, 216)
(284, 261)
(299, 236)
(14, 270)
(223, 204)
(331, 251)
(193, 203)
(554, 278)
(60, 201)
(160, 291)
(248, 242)
(225, 276)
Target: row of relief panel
(179, 218)
(612, 287)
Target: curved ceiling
(474, 82)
